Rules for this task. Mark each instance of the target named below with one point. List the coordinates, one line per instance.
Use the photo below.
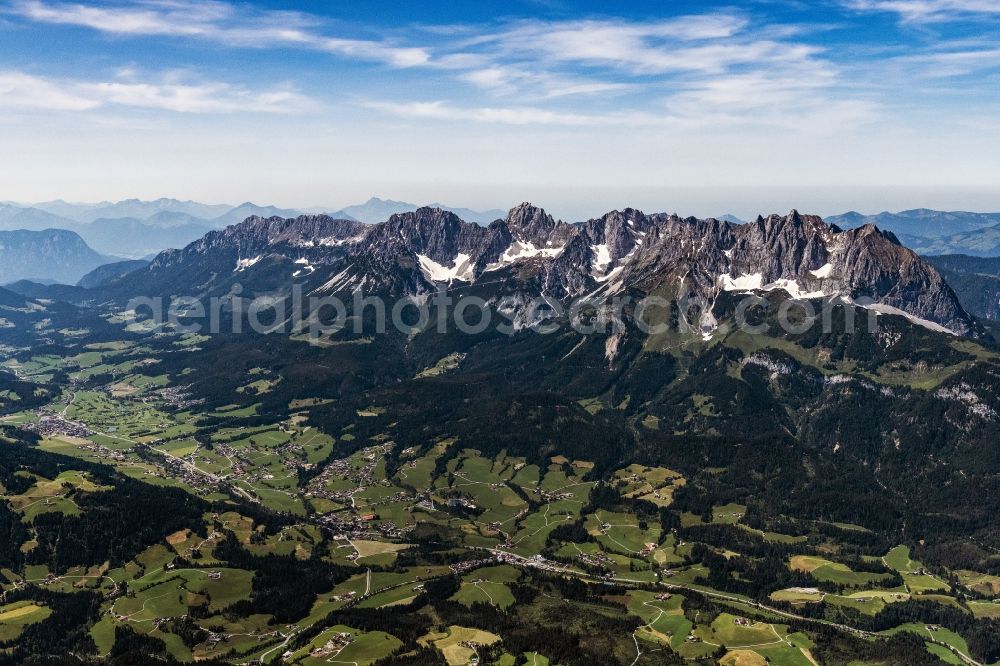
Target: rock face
(417, 253)
(210, 263)
(257, 236)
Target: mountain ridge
(379, 210)
(417, 253)
(55, 254)
(932, 232)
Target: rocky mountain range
(529, 254)
(53, 254)
(135, 228)
(932, 232)
(14, 217)
(135, 208)
(132, 228)
(378, 210)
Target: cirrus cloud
(927, 11)
(20, 90)
(219, 22)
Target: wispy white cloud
(219, 22)
(708, 43)
(23, 91)
(516, 115)
(718, 68)
(779, 102)
(952, 63)
(513, 79)
(599, 37)
(727, 67)
(696, 110)
(151, 19)
(19, 90)
(927, 11)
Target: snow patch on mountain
(708, 324)
(461, 269)
(602, 257)
(334, 241)
(609, 275)
(823, 271)
(755, 281)
(522, 250)
(243, 264)
(341, 280)
(791, 287)
(307, 268)
(518, 251)
(742, 283)
(882, 308)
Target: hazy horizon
(745, 203)
(580, 107)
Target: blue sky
(697, 107)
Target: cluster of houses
(347, 596)
(546, 496)
(178, 397)
(474, 646)
(462, 567)
(176, 469)
(344, 469)
(598, 560)
(333, 646)
(215, 637)
(105, 453)
(537, 561)
(361, 525)
(52, 425)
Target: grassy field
(362, 649)
(916, 578)
(941, 635)
(982, 583)
(621, 532)
(488, 585)
(52, 495)
(944, 654)
(985, 609)
(505, 500)
(827, 571)
(450, 643)
(653, 484)
(665, 619)
(743, 658)
(16, 616)
(797, 595)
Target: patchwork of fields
(451, 543)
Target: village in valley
(457, 537)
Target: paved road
(555, 568)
